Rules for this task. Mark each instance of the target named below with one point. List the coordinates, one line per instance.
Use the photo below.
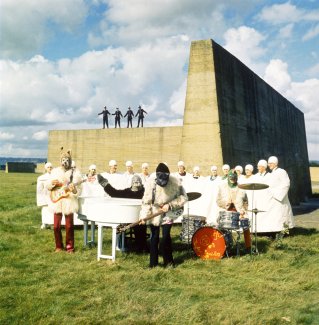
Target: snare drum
(228, 220)
(211, 243)
(189, 225)
(244, 223)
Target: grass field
(38, 286)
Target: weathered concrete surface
(231, 116)
(140, 145)
(201, 139)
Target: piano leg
(113, 242)
(85, 231)
(92, 233)
(100, 240)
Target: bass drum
(211, 243)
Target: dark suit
(140, 114)
(105, 118)
(118, 116)
(129, 115)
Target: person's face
(196, 172)
(238, 171)
(226, 171)
(248, 172)
(214, 172)
(271, 166)
(49, 169)
(145, 170)
(261, 169)
(113, 169)
(92, 172)
(181, 169)
(129, 169)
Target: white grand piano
(106, 212)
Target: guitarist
(165, 193)
(62, 180)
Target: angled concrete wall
(231, 116)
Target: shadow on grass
(299, 231)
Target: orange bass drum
(211, 243)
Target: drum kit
(211, 242)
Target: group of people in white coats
(272, 202)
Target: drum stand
(254, 218)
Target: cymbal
(193, 196)
(256, 210)
(253, 186)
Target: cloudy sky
(62, 61)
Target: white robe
(274, 200)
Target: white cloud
(304, 95)
(245, 43)
(25, 25)
(311, 33)
(286, 31)
(281, 13)
(276, 74)
(177, 100)
(40, 135)
(6, 136)
(125, 21)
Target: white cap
(273, 159)
(112, 163)
(249, 167)
(262, 162)
(213, 168)
(47, 165)
(180, 163)
(239, 168)
(128, 164)
(196, 168)
(226, 166)
(73, 164)
(92, 167)
(145, 165)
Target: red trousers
(69, 231)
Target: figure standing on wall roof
(130, 116)
(140, 114)
(105, 113)
(118, 116)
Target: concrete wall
(151, 145)
(231, 116)
(201, 142)
(257, 122)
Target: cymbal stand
(254, 212)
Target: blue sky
(62, 61)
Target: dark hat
(162, 168)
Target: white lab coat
(274, 200)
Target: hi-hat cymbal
(193, 196)
(253, 186)
(256, 210)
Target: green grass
(38, 286)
